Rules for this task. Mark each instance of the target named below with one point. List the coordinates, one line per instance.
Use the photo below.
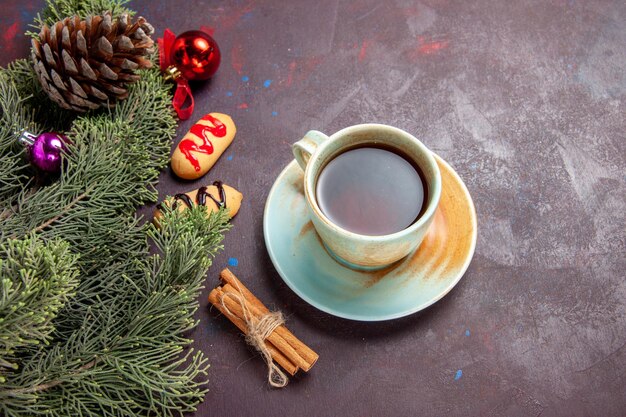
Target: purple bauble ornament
(45, 150)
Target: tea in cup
(372, 191)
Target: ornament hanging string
(183, 90)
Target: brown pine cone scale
(86, 64)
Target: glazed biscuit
(213, 197)
(202, 146)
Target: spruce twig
(77, 280)
(65, 210)
(47, 385)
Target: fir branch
(131, 311)
(135, 333)
(64, 211)
(14, 117)
(36, 279)
(121, 159)
(47, 385)
(56, 10)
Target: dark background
(525, 100)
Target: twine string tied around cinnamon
(260, 329)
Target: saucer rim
(383, 317)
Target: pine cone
(85, 64)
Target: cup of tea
(372, 191)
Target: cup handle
(305, 147)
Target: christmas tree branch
(47, 385)
(59, 9)
(143, 347)
(65, 210)
(13, 117)
(36, 280)
(111, 299)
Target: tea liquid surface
(371, 191)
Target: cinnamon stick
(280, 343)
(286, 350)
(232, 284)
(277, 356)
(301, 350)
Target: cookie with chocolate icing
(202, 146)
(213, 197)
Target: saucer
(408, 286)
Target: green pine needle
(96, 307)
(56, 10)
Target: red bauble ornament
(196, 55)
(192, 55)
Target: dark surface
(525, 100)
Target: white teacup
(358, 251)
